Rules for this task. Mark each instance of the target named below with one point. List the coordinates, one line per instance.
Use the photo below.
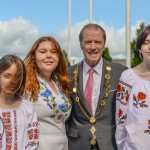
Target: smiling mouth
(48, 63)
(93, 52)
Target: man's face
(92, 45)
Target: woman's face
(5, 79)
(47, 58)
(145, 49)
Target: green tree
(66, 58)
(106, 54)
(135, 54)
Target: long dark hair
(17, 84)
(142, 37)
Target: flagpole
(128, 34)
(69, 29)
(90, 11)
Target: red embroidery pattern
(148, 131)
(0, 143)
(15, 127)
(8, 129)
(33, 135)
(140, 100)
(121, 117)
(122, 95)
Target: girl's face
(145, 49)
(47, 58)
(5, 79)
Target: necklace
(92, 119)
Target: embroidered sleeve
(122, 97)
(32, 134)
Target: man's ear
(104, 48)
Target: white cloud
(16, 36)
(75, 45)
(116, 47)
(116, 39)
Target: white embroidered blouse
(18, 128)
(52, 111)
(133, 112)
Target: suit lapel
(80, 89)
(102, 88)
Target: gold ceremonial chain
(92, 119)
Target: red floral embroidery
(127, 96)
(120, 113)
(148, 130)
(141, 96)
(122, 95)
(149, 122)
(121, 117)
(33, 134)
(119, 89)
(140, 100)
(4, 114)
(30, 137)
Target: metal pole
(69, 29)
(128, 34)
(90, 11)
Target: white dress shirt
(97, 82)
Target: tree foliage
(106, 54)
(66, 58)
(135, 54)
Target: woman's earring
(140, 53)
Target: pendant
(74, 90)
(77, 99)
(93, 141)
(102, 103)
(92, 120)
(1, 128)
(107, 85)
(106, 95)
(93, 129)
(108, 68)
(107, 76)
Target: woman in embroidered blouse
(47, 86)
(133, 101)
(18, 121)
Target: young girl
(133, 101)
(18, 121)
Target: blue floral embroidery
(62, 107)
(60, 110)
(47, 93)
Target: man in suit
(91, 125)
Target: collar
(97, 68)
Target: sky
(22, 22)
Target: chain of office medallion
(102, 104)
